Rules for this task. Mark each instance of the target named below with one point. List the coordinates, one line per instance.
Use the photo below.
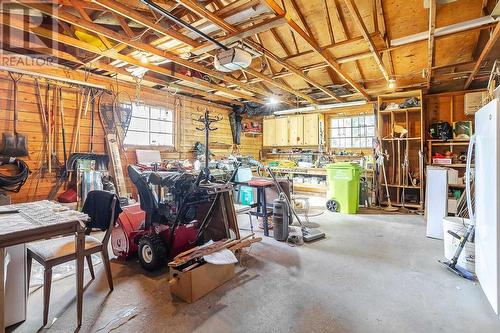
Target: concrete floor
(373, 273)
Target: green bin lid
(342, 165)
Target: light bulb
(273, 100)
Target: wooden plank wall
(29, 123)
(445, 107)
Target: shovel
(14, 144)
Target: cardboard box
(453, 177)
(452, 206)
(197, 282)
(474, 101)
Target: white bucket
(458, 225)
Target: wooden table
(19, 228)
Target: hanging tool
(92, 120)
(49, 129)
(43, 116)
(405, 165)
(15, 144)
(82, 108)
(52, 122)
(380, 161)
(392, 175)
(63, 130)
(10, 182)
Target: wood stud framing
(432, 27)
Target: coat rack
(207, 122)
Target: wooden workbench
(23, 227)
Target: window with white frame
(150, 126)
(351, 132)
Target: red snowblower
(176, 213)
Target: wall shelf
(413, 109)
(410, 148)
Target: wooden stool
(261, 205)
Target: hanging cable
(14, 183)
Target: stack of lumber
(192, 258)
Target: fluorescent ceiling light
(320, 107)
(446, 30)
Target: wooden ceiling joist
(159, 81)
(221, 23)
(301, 17)
(328, 58)
(281, 85)
(486, 50)
(28, 27)
(203, 12)
(199, 67)
(133, 15)
(278, 39)
(293, 69)
(353, 10)
(381, 25)
(120, 38)
(265, 25)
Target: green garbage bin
(343, 187)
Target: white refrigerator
(487, 204)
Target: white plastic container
(458, 225)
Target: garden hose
(13, 183)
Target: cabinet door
(295, 130)
(281, 132)
(268, 132)
(311, 129)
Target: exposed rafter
(219, 22)
(133, 15)
(205, 13)
(28, 27)
(351, 5)
(301, 18)
(265, 25)
(486, 50)
(177, 87)
(314, 45)
(100, 30)
(383, 32)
